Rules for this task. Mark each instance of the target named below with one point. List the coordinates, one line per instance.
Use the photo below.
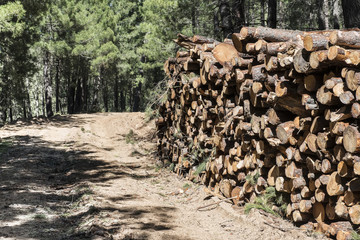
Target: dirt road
(94, 177)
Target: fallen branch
(216, 203)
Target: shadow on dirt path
(92, 176)
(42, 183)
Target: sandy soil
(85, 177)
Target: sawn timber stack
(277, 106)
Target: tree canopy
(71, 56)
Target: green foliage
(40, 216)
(11, 16)
(355, 235)
(252, 178)
(130, 137)
(172, 167)
(267, 201)
(201, 168)
(108, 55)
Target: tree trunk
(116, 93)
(27, 101)
(137, 93)
(323, 14)
(95, 101)
(28, 105)
(239, 12)
(24, 109)
(78, 97)
(104, 90)
(272, 11)
(351, 10)
(216, 24)
(226, 23)
(11, 117)
(262, 13)
(71, 94)
(57, 86)
(4, 116)
(47, 86)
(336, 14)
(122, 100)
(85, 96)
(194, 17)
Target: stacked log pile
(277, 106)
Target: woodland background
(72, 56)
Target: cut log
(341, 210)
(339, 54)
(334, 187)
(297, 183)
(316, 42)
(273, 48)
(318, 59)
(224, 53)
(237, 41)
(318, 211)
(351, 139)
(305, 192)
(343, 170)
(354, 213)
(344, 235)
(335, 227)
(282, 185)
(284, 131)
(355, 110)
(237, 194)
(354, 185)
(291, 171)
(330, 210)
(352, 79)
(302, 61)
(326, 97)
(273, 174)
(345, 38)
(269, 34)
(351, 198)
(305, 206)
(312, 82)
(339, 127)
(320, 195)
(347, 97)
(325, 141)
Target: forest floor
(93, 176)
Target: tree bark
(226, 23)
(194, 17)
(71, 94)
(272, 11)
(351, 10)
(78, 96)
(262, 13)
(336, 14)
(137, 93)
(57, 86)
(122, 100)
(323, 14)
(239, 12)
(47, 86)
(85, 87)
(116, 93)
(216, 23)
